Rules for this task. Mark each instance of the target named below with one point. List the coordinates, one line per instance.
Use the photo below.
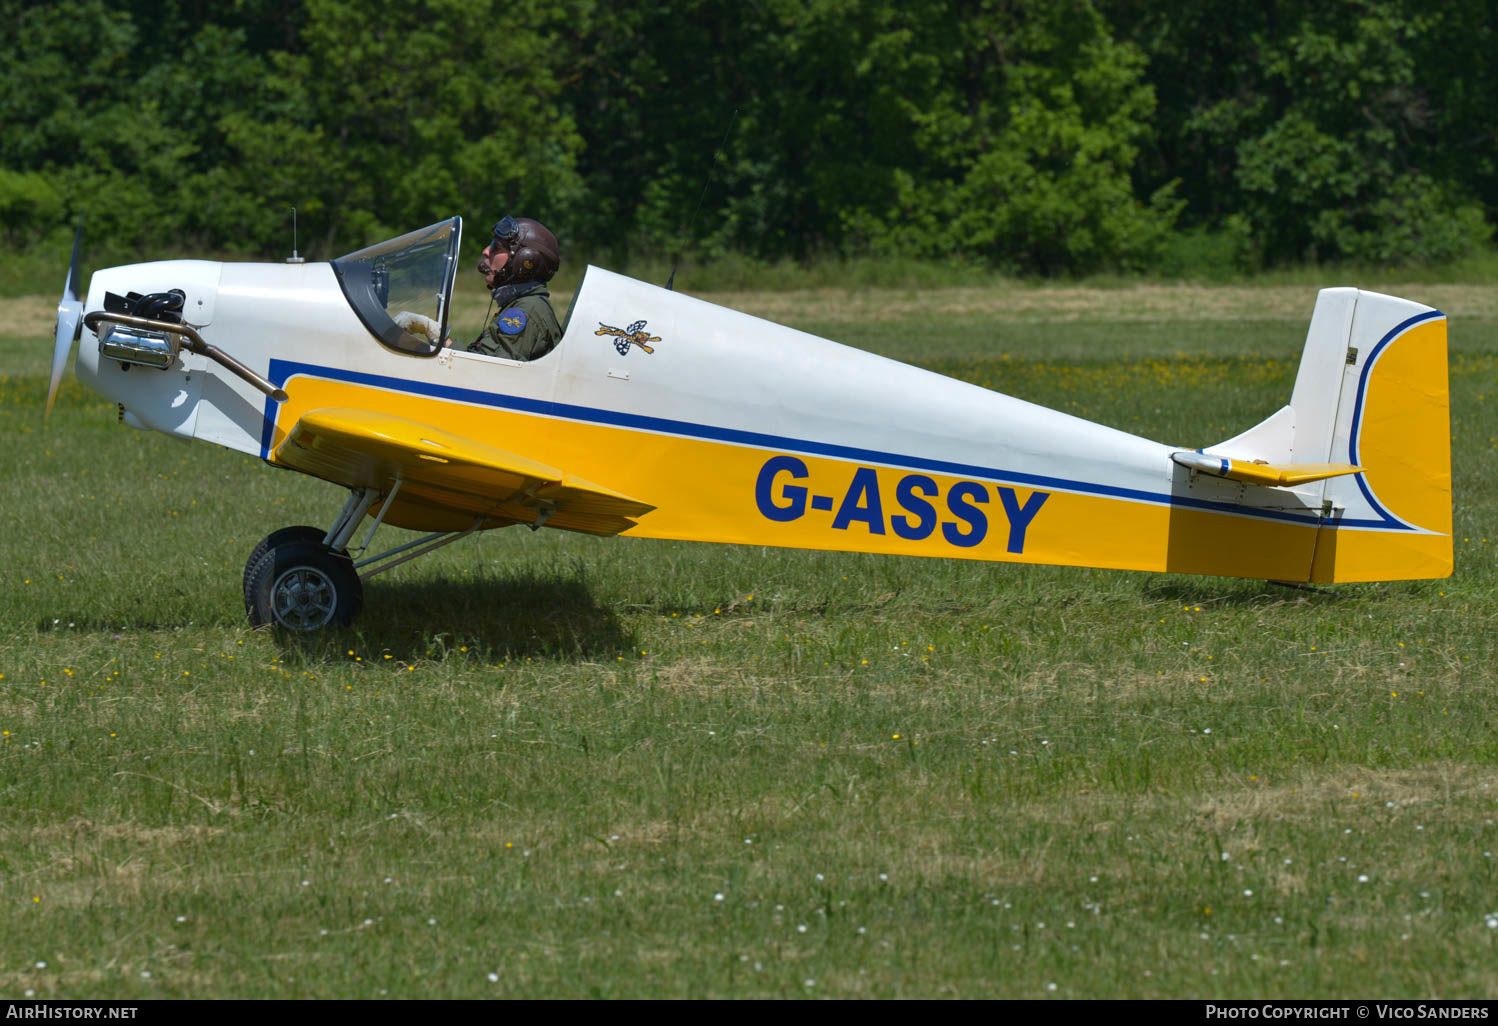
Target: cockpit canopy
(410, 274)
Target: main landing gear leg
(303, 578)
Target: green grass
(41, 269)
(628, 768)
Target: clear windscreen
(401, 288)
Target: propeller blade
(70, 288)
(69, 322)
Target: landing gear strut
(303, 579)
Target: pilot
(516, 266)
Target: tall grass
(548, 765)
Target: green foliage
(380, 117)
(992, 132)
(1410, 220)
(1310, 130)
(409, 112)
(1031, 168)
(30, 206)
(1017, 135)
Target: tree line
(1033, 136)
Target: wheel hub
(304, 598)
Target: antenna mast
(671, 281)
(294, 259)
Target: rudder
(1391, 521)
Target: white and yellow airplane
(664, 416)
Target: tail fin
(1393, 418)
(1372, 391)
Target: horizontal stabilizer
(446, 479)
(1270, 475)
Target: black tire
(302, 533)
(301, 586)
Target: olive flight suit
(525, 329)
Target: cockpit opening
(402, 288)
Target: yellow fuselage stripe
(708, 490)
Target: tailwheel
(300, 584)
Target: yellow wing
(448, 481)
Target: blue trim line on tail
(1354, 429)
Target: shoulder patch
(511, 321)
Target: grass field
(548, 765)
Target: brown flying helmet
(533, 250)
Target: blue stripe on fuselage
(282, 371)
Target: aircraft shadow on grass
(510, 617)
(495, 618)
(1237, 593)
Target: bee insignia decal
(511, 321)
(634, 335)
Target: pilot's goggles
(507, 231)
